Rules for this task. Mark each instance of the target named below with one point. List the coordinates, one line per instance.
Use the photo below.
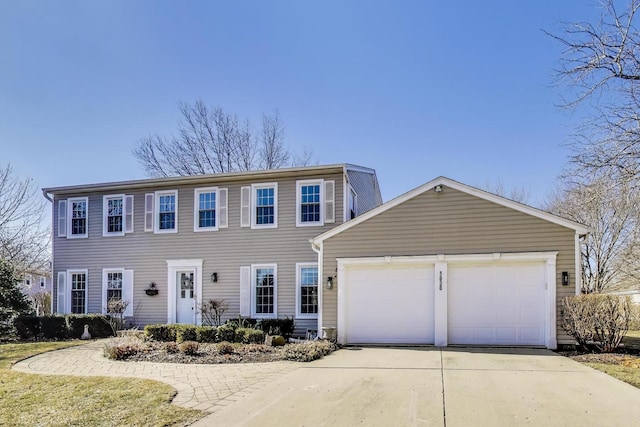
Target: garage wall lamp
(565, 278)
(329, 282)
(214, 277)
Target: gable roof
(447, 182)
(206, 178)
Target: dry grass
(625, 367)
(41, 400)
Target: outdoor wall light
(214, 277)
(565, 278)
(438, 188)
(329, 282)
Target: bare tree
(24, 241)
(610, 208)
(518, 194)
(213, 141)
(601, 68)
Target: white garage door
(390, 304)
(496, 303)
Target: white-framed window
(210, 209)
(353, 204)
(117, 285)
(77, 217)
(43, 282)
(307, 290)
(78, 291)
(117, 215)
(166, 211)
(264, 285)
(309, 203)
(27, 280)
(264, 202)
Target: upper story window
(117, 215)
(259, 203)
(73, 217)
(43, 282)
(166, 207)
(27, 280)
(315, 202)
(309, 201)
(205, 209)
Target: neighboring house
(446, 264)
(626, 288)
(165, 245)
(35, 281)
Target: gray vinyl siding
(451, 222)
(366, 187)
(223, 251)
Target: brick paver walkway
(204, 387)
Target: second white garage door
(496, 303)
(390, 304)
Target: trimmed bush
(225, 347)
(284, 327)
(597, 321)
(226, 332)
(159, 333)
(122, 348)
(242, 322)
(186, 333)
(278, 341)
(189, 348)
(308, 351)
(53, 327)
(206, 334)
(27, 327)
(249, 336)
(98, 325)
(171, 347)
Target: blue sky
(414, 89)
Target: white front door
(185, 297)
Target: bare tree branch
(213, 141)
(24, 241)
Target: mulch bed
(207, 354)
(627, 357)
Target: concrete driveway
(437, 387)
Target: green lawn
(629, 373)
(51, 400)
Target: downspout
(318, 249)
(50, 199)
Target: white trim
(105, 213)
(441, 264)
(156, 213)
(578, 261)
(222, 208)
(196, 208)
(320, 253)
(149, 206)
(254, 188)
(441, 295)
(69, 290)
(579, 228)
(42, 281)
(245, 206)
(70, 202)
(299, 266)
(299, 185)
(128, 223)
(345, 202)
(173, 266)
(255, 315)
(351, 195)
(105, 272)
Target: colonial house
(166, 245)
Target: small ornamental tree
(12, 301)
